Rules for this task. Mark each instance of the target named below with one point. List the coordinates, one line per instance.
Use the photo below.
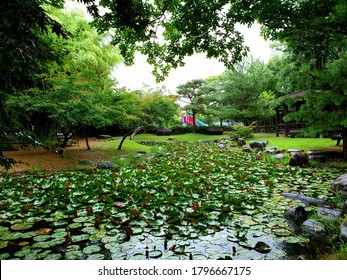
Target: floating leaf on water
(42, 244)
(23, 252)
(91, 249)
(41, 238)
(108, 239)
(55, 256)
(96, 257)
(262, 247)
(22, 226)
(82, 219)
(75, 225)
(128, 230)
(44, 231)
(73, 255)
(59, 234)
(59, 224)
(23, 243)
(138, 257)
(281, 232)
(78, 238)
(232, 238)
(119, 256)
(155, 254)
(253, 255)
(3, 244)
(73, 248)
(292, 239)
(4, 256)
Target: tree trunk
(136, 131)
(87, 143)
(344, 139)
(123, 139)
(194, 122)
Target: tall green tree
(198, 95)
(75, 92)
(247, 91)
(23, 51)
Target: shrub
(238, 131)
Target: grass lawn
(280, 142)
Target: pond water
(192, 202)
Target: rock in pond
(328, 213)
(296, 214)
(343, 230)
(340, 185)
(314, 228)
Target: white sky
(196, 67)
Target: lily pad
(55, 256)
(73, 255)
(23, 226)
(262, 247)
(44, 231)
(4, 256)
(155, 254)
(96, 257)
(91, 249)
(78, 238)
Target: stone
(343, 230)
(205, 141)
(271, 150)
(295, 150)
(142, 152)
(106, 165)
(298, 159)
(258, 144)
(171, 138)
(241, 142)
(247, 149)
(86, 163)
(315, 155)
(296, 214)
(328, 213)
(260, 155)
(344, 209)
(340, 184)
(314, 228)
(308, 200)
(280, 156)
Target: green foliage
(238, 131)
(245, 93)
(184, 27)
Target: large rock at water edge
(314, 228)
(340, 185)
(296, 214)
(343, 230)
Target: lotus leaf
(73, 255)
(96, 257)
(22, 226)
(91, 249)
(55, 256)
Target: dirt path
(39, 159)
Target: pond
(192, 201)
